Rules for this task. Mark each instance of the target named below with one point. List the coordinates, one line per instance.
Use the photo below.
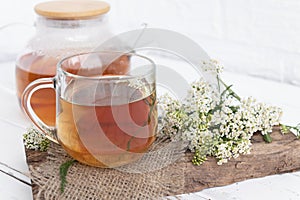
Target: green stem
(291, 127)
(235, 95)
(129, 143)
(219, 87)
(287, 128)
(267, 138)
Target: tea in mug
(106, 125)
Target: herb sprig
(217, 122)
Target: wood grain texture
(280, 156)
(70, 10)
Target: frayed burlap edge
(84, 182)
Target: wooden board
(280, 156)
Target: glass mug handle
(43, 83)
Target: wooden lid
(72, 9)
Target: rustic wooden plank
(280, 156)
(34, 159)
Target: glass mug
(102, 120)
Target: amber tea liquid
(103, 127)
(29, 68)
(32, 66)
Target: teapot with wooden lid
(62, 28)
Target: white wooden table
(13, 124)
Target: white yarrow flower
(221, 126)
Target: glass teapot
(62, 28)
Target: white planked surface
(12, 125)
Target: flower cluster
(35, 140)
(212, 66)
(214, 122)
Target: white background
(256, 37)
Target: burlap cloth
(161, 178)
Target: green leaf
(63, 171)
